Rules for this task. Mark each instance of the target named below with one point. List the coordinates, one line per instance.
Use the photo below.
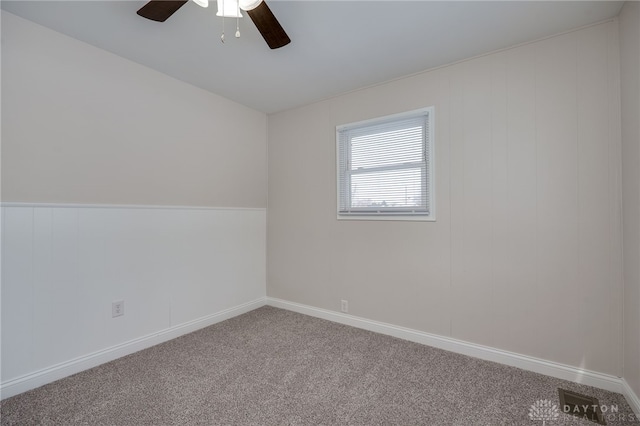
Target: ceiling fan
(264, 20)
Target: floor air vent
(583, 406)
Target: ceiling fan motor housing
(249, 4)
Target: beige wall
(81, 125)
(630, 91)
(525, 254)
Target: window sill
(400, 218)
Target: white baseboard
(631, 397)
(65, 369)
(561, 371)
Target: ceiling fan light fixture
(261, 15)
(249, 4)
(202, 3)
(228, 9)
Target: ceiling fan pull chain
(237, 27)
(222, 36)
(238, 20)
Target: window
(385, 167)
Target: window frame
(429, 112)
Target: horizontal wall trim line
(549, 368)
(123, 206)
(47, 375)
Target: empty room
(300, 212)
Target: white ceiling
(337, 46)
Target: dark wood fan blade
(160, 10)
(269, 26)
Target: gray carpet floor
(276, 367)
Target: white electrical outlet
(117, 308)
(344, 307)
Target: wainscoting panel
(64, 265)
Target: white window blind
(385, 166)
